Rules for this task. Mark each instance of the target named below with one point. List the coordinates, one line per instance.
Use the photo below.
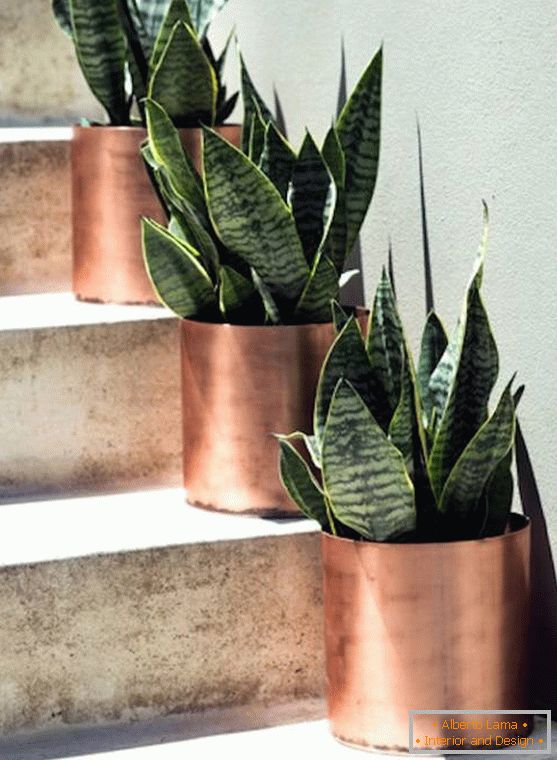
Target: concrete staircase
(123, 609)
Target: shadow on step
(73, 742)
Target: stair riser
(89, 407)
(35, 246)
(148, 633)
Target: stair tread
(44, 310)
(34, 134)
(41, 531)
(292, 740)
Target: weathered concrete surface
(40, 75)
(35, 244)
(89, 407)
(149, 633)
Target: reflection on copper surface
(423, 626)
(111, 191)
(240, 385)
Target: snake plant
(262, 236)
(131, 49)
(405, 453)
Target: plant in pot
(426, 570)
(254, 252)
(128, 50)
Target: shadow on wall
(543, 643)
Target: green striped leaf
(336, 239)
(385, 342)
(253, 103)
(277, 159)
(234, 291)
(152, 12)
(322, 286)
(61, 10)
(340, 317)
(177, 11)
(166, 149)
(102, 54)
(474, 378)
(256, 135)
(203, 12)
(402, 425)
(364, 475)
(251, 218)
(193, 227)
(309, 441)
(184, 82)
(347, 358)
(359, 132)
(272, 312)
(498, 498)
(432, 348)
(177, 276)
(487, 448)
(301, 485)
(311, 196)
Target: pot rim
(518, 523)
(360, 311)
(139, 128)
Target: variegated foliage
(270, 226)
(406, 455)
(131, 49)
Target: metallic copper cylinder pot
(424, 627)
(240, 385)
(111, 191)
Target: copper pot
(241, 384)
(424, 627)
(111, 191)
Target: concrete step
(134, 607)
(214, 735)
(89, 397)
(35, 245)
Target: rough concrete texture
(35, 245)
(150, 633)
(41, 80)
(89, 407)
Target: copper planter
(423, 627)
(111, 191)
(240, 385)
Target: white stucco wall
(482, 77)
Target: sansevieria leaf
(339, 315)
(347, 358)
(101, 52)
(254, 106)
(364, 475)
(385, 342)
(310, 196)
(301, 485)
(152, 13)
(61, 10)
(322, 286)
(466, 408)
(359, 131)
(277, 159)
(470, 474)
(251, 218)
(309, 442)
(334, 157)
(432, 348)
(234, 291)
(177, 11)
(193, 226)
(176, 273)
(167, 150)
(184, 82)
(272, 312)
(203, 12)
